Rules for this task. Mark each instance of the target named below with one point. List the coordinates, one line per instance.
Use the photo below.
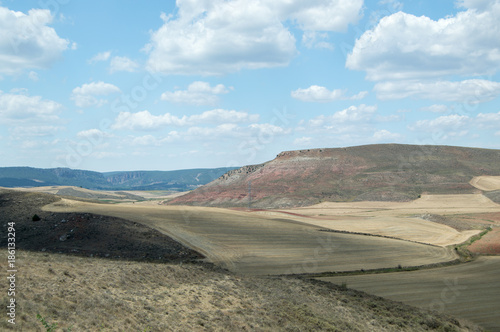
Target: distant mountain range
(382, 172)
(180, 180)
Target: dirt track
(256, 244)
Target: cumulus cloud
(471, 91)
(197, 93)
(320, 94)
(26, 41)
(218, 37)
(403, 46)
(22, 108)
(144, 120)
(84, 96)
(360, 113)
(121, 63)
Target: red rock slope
(392, 172)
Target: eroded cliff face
(375, 172)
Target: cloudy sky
(163, 85)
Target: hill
(179, 180)
(386, 172)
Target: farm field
(253, 243)
(486, 183)
(467, 290)
(115, 274)
(399, 220)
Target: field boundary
(378, 235)
(378, 271)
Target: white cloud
(33, 76)
(488, 120)
(403, 46)
(394, 5)
(471, 91)
(121, 63)
(144, 120)
(386, 136)
(94, 135)
(218, 37)
(448, 123)
(84, 96)
(322, 15)
(361, 113)
(225, 129)
(220, 115)
(103, 56)
(303, 141)
(475, 4)
(269, 129)
(197, 93)
(314, 39)
(320, 94)
(436, 108)
(22, 132)
(22, 108)
(27, 42)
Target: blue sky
(164, 85)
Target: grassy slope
(391, 172)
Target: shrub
(36, 218)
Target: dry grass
(89, 294)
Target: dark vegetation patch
(84, 234)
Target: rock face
(389, 172)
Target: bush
(36, 218)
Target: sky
(163, 85)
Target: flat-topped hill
(383, 172)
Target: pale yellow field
(393, 219)
(486, 183)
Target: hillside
(134, 180)
(387, 172)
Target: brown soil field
(486, 183)
(489, 244)
(468, 290)
(251, 243)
